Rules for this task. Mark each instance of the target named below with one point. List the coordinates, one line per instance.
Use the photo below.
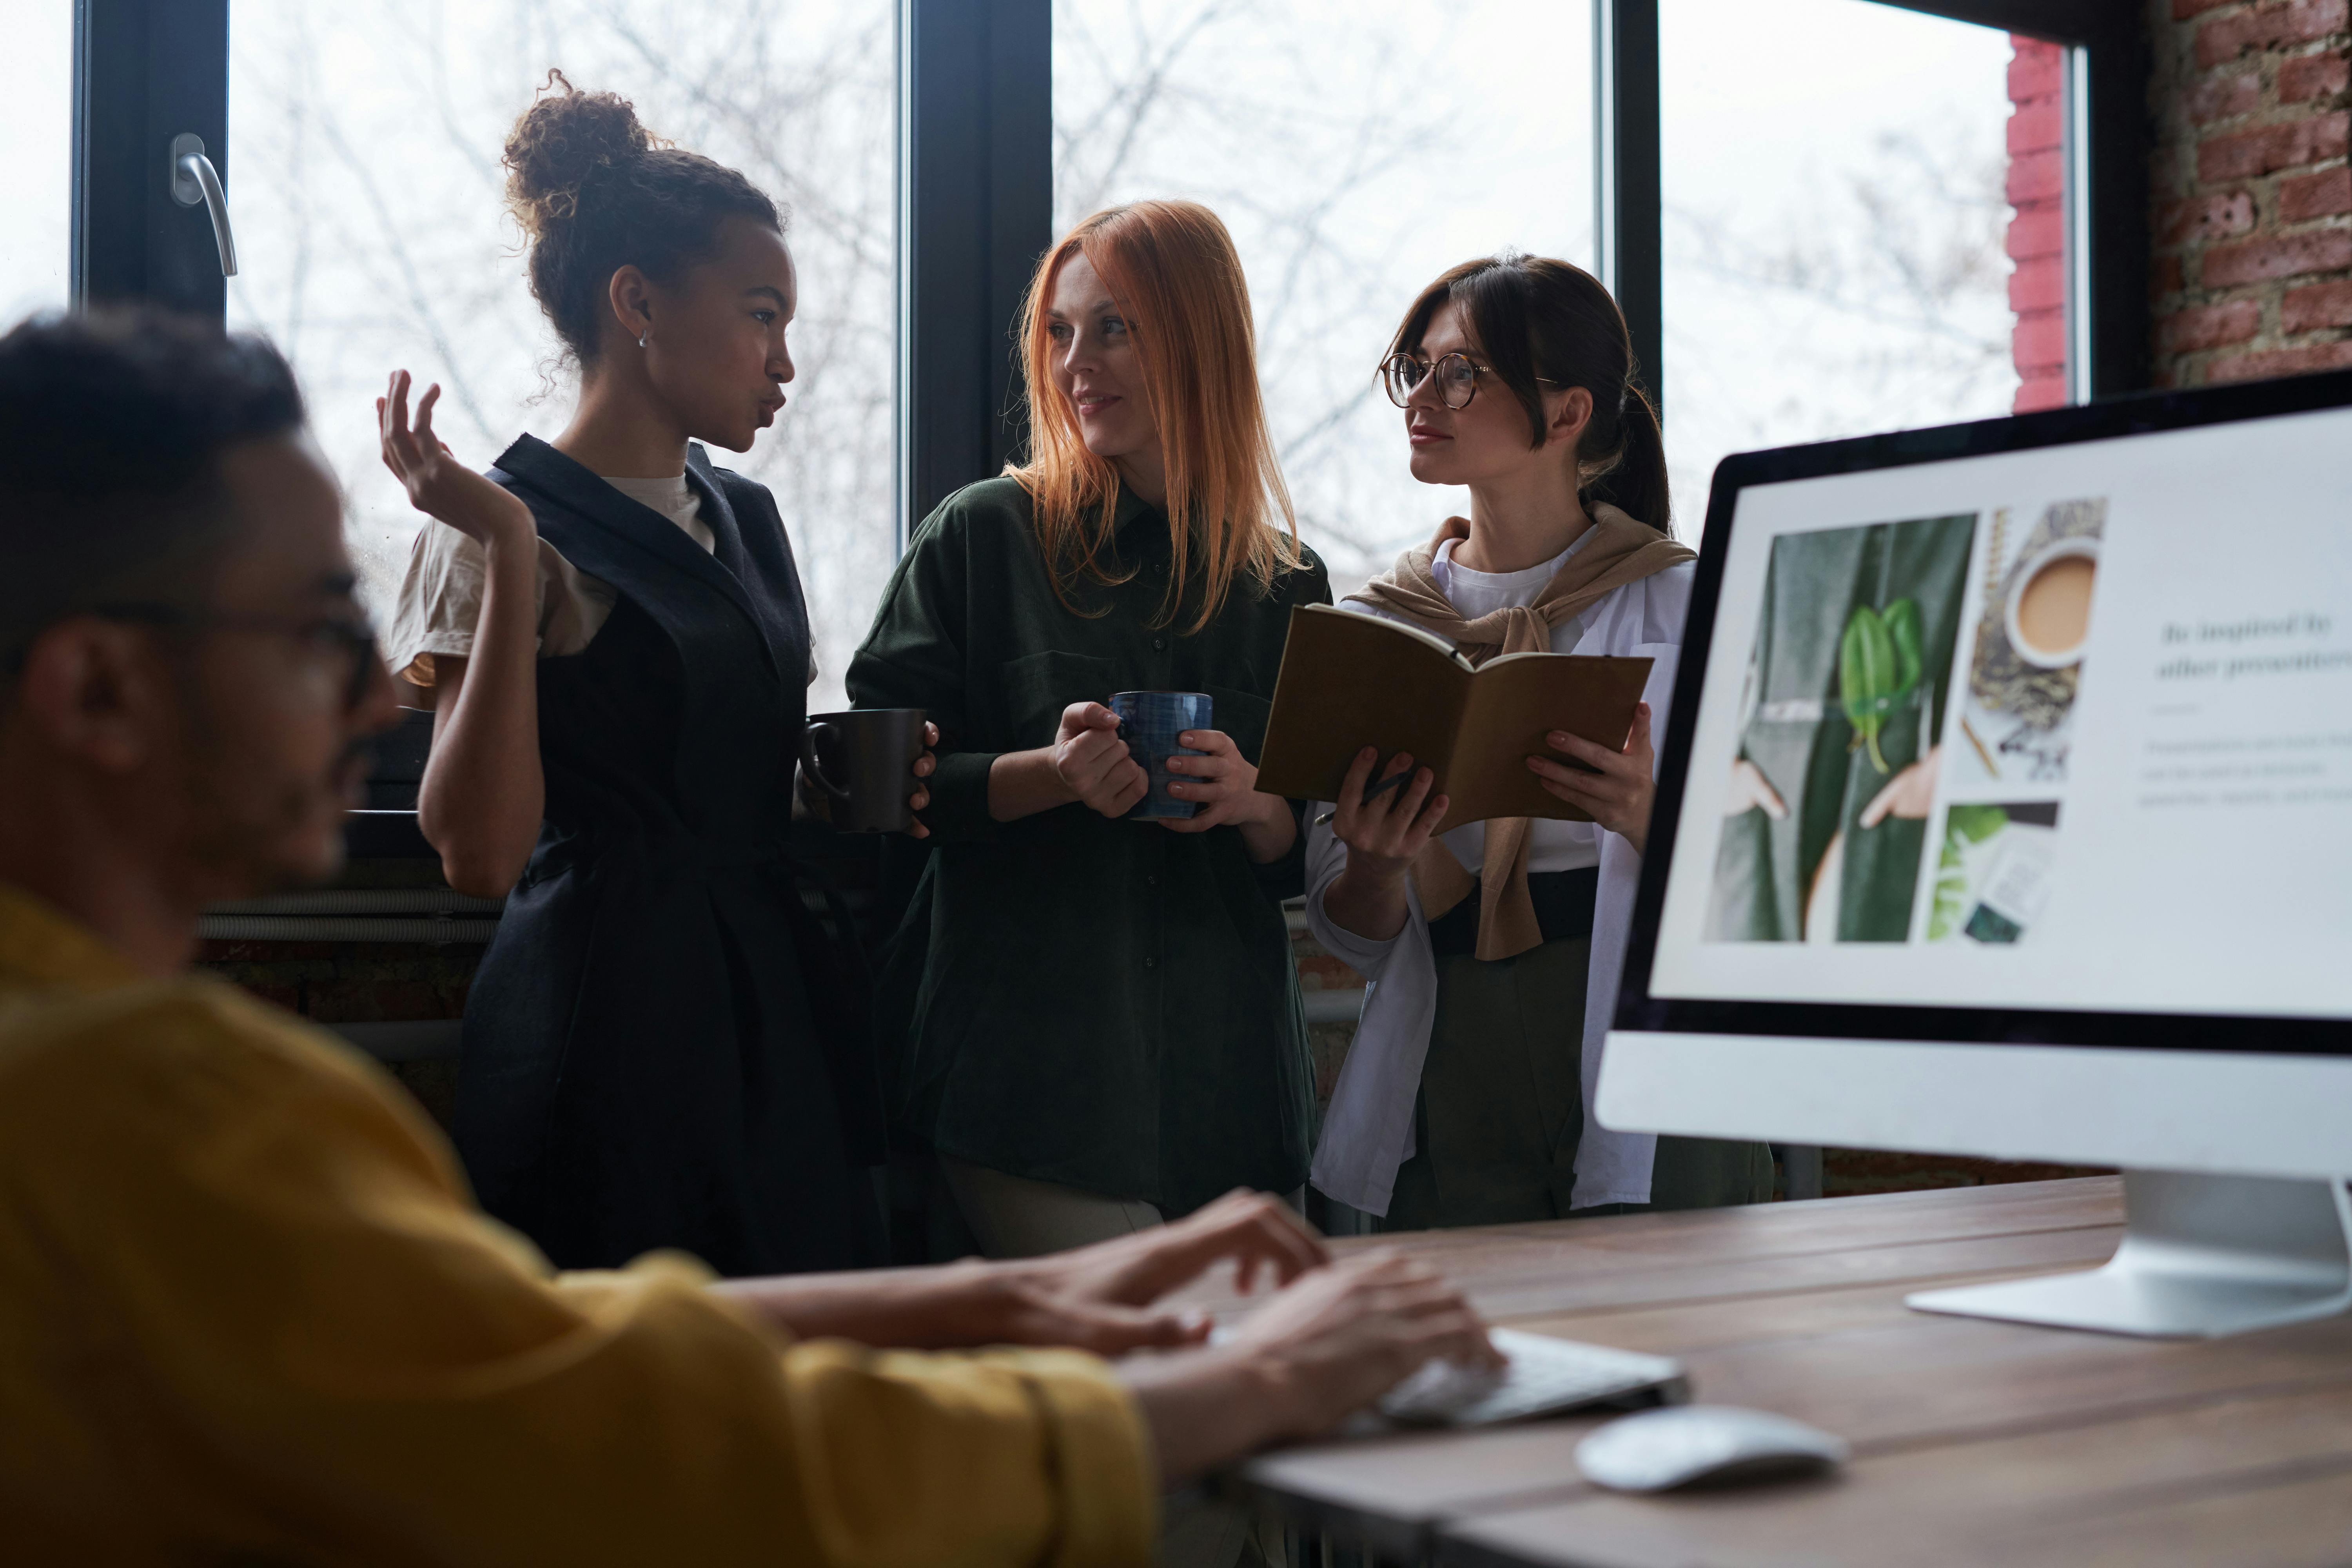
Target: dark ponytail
(1538, 321)
(596, 192)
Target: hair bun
(560, 141)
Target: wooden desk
(1974, 1441)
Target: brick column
(2037, 223)
(2252, 200)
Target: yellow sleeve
(271, 1252)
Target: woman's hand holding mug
(925, 765)
(1221, 785)
(1093, 762)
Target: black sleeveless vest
(643, 1064)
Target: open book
(1350, 680)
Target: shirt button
(1151, 964)
(1151, 881)
(1160, 645)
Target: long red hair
(1172, 268)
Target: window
(371, 227)
(1356, 149)
(37, 177)
(1835, 225)
(1832, 210)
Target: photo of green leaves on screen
(1825, 829)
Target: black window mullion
(978, 162)
(1628, 225)
(145, 72)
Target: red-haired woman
(1103, 1025)
(1495, 949)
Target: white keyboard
(1545, 1377)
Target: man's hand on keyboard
(1341, 1336)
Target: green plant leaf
(1904, 632)
(1865, 665)
(1866, 671)
(1973, 824)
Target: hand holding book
(1384, 825)
(1615, 788)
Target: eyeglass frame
(1388, 382)
(355, 637)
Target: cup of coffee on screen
(1150, 721)
(863, 764)
(2049, 611)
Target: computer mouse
(1657, 1450)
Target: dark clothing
(1564, 903)
(1501, 1110)
(1110, 1005)
(643, 1063)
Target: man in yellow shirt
(247, 1312)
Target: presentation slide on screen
(2066, 729)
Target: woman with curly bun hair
(612, 636)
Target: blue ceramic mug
(1150, 721)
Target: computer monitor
(2005, 808)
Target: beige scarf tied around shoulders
(1622, 551)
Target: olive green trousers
(1502, 1106)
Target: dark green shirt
(1104, 1004)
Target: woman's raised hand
(1383, 834)
(438, 485)
(1093, 761)
(1221, 783)
(1615, 787)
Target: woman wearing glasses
(1102, 1024)
(613, 639)
(1495, 947)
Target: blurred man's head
(183, 665)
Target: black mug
(863, 763)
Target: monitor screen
(2062, 729)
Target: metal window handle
(196, 181)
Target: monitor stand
(2201, 1256)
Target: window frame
(145, 71)
(2107, 175)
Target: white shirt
(440, 599)
(1551, 846)
(1368, 1131)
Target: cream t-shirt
(1552, 845)
(441, 597)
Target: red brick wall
(2037, 225)
(2252, 200)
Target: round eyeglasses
(345, 644)
(1457, 377)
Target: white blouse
(441, 597)
(1551, 846)
(1368, 1131)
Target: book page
(1349, 681)
(1515, 702)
